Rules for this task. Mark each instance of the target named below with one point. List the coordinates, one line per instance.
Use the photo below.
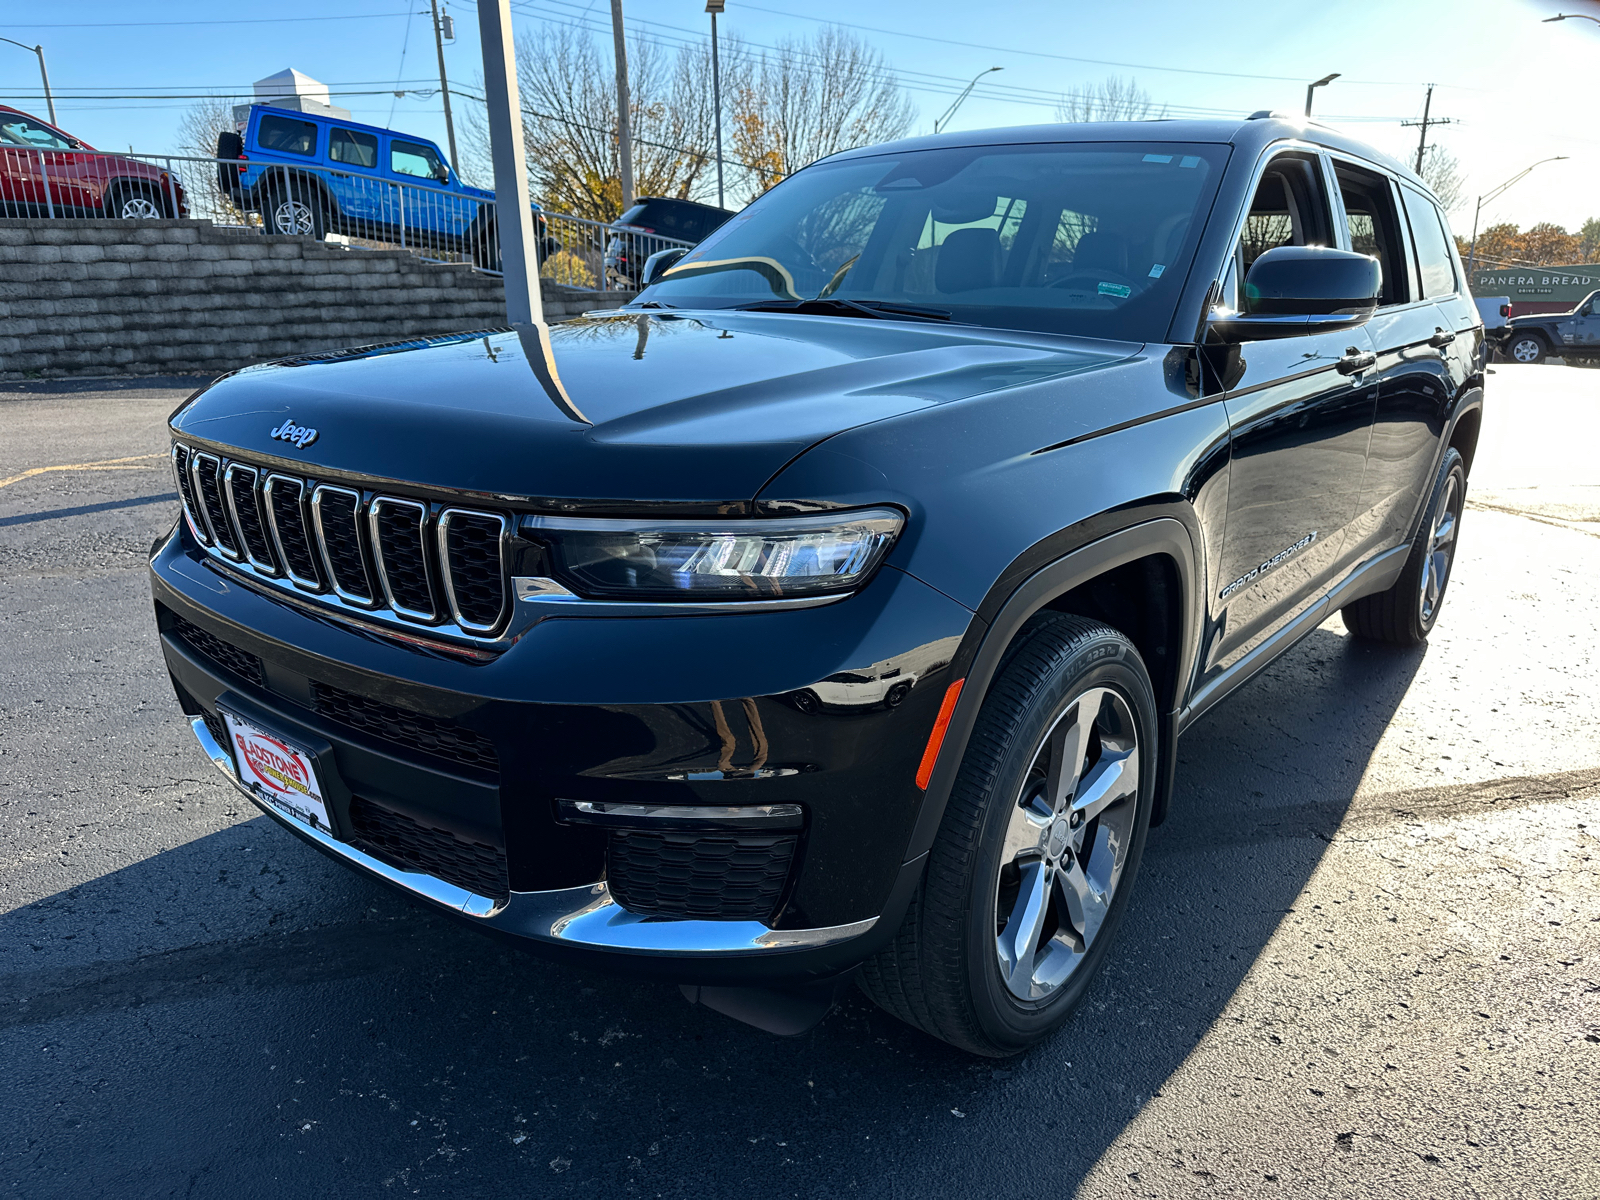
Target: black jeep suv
(833, 610)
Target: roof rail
(1265, 114)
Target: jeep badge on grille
(298, 434)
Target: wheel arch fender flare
(1160, 536)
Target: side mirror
(659, 263)
(441, 173)
(1292, 291)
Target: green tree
(1589, 240)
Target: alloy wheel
(1525, 350)
(1066, 843)
(293, 216)
(138, 208)
(1441, 546)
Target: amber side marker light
(936, 739)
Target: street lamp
(714, 7)
(939, 125)
(43, 74)
(1571, 17)
(1472, 250)
(1323, 82)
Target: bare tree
(1114, 98)
(1442, 173)
(811, 97)
(198, 128)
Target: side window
(284, 135)
(412, 158)
(1375, 228)
(352, 148)
(1290, 208)
(1435, 263)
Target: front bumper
(637, 711)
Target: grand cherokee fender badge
(1272, 564)
(298, 434)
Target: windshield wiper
(834, 306)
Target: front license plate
(278, 771)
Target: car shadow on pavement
(391, 1050)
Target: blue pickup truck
(310, 174)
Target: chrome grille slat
(207, 472)
(471, 551)
(239, 489)
(286, 515)
(336, 514)
(388, 557)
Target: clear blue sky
(1519, 90)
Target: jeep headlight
(731, 559)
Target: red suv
(47, 173)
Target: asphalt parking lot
(1363, 960)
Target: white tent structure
(297, 91)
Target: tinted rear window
(284, 135)
(673, 219)
(1433, 251)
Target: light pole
(1571, 17)
(714, 7)
(43, 74)
(624, 104)
(442, 30)
(939, 125)
(1472, 250)
(1312, 87)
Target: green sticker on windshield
(1120, 290)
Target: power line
(232, 21)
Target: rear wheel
(294, 212)
(1036, 856)
(483, 242)
(1526, 348)
(136, 202)
(1405, 614)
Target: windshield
(1088, 238)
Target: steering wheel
(1090, 278)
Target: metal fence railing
(358, 207)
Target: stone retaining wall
(171, 297)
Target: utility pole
(444, 84)
(1422, 144)
(714, 7)
(43, 74)
(624, 131)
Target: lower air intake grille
(241, 662)
(715, 877)
(411, 845)
(406, 728)
(217, 727)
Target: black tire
(135, 202)
(295, 210)
(1527, 347)
(483, 243)
(1406, 613)
(945, 971)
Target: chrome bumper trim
(580, 917)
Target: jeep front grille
(398, 558)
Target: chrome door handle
(1355, 361)
(1441, 337)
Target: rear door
(1414, 332)
(1300, 419)
(353, 178)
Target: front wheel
(293, 213)
(1037, 853)
(1526, 348)
(135, 202)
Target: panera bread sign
(1538, 283)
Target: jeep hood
(687, 408)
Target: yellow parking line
(109, 464)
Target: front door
(1300, 411)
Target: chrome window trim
(338, 590)
(231, 504)
(273, 478)
(197, 524)
(195, 459)
(374, 511)
(586, 916)
(443, 532)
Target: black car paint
(1029, 466)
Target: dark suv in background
(656, 223)
(834, 611)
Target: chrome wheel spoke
(1115, 777)
(1068, 746)
(1026, 831)
(1445, 533)
(1019, 940)
(1085, 905)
